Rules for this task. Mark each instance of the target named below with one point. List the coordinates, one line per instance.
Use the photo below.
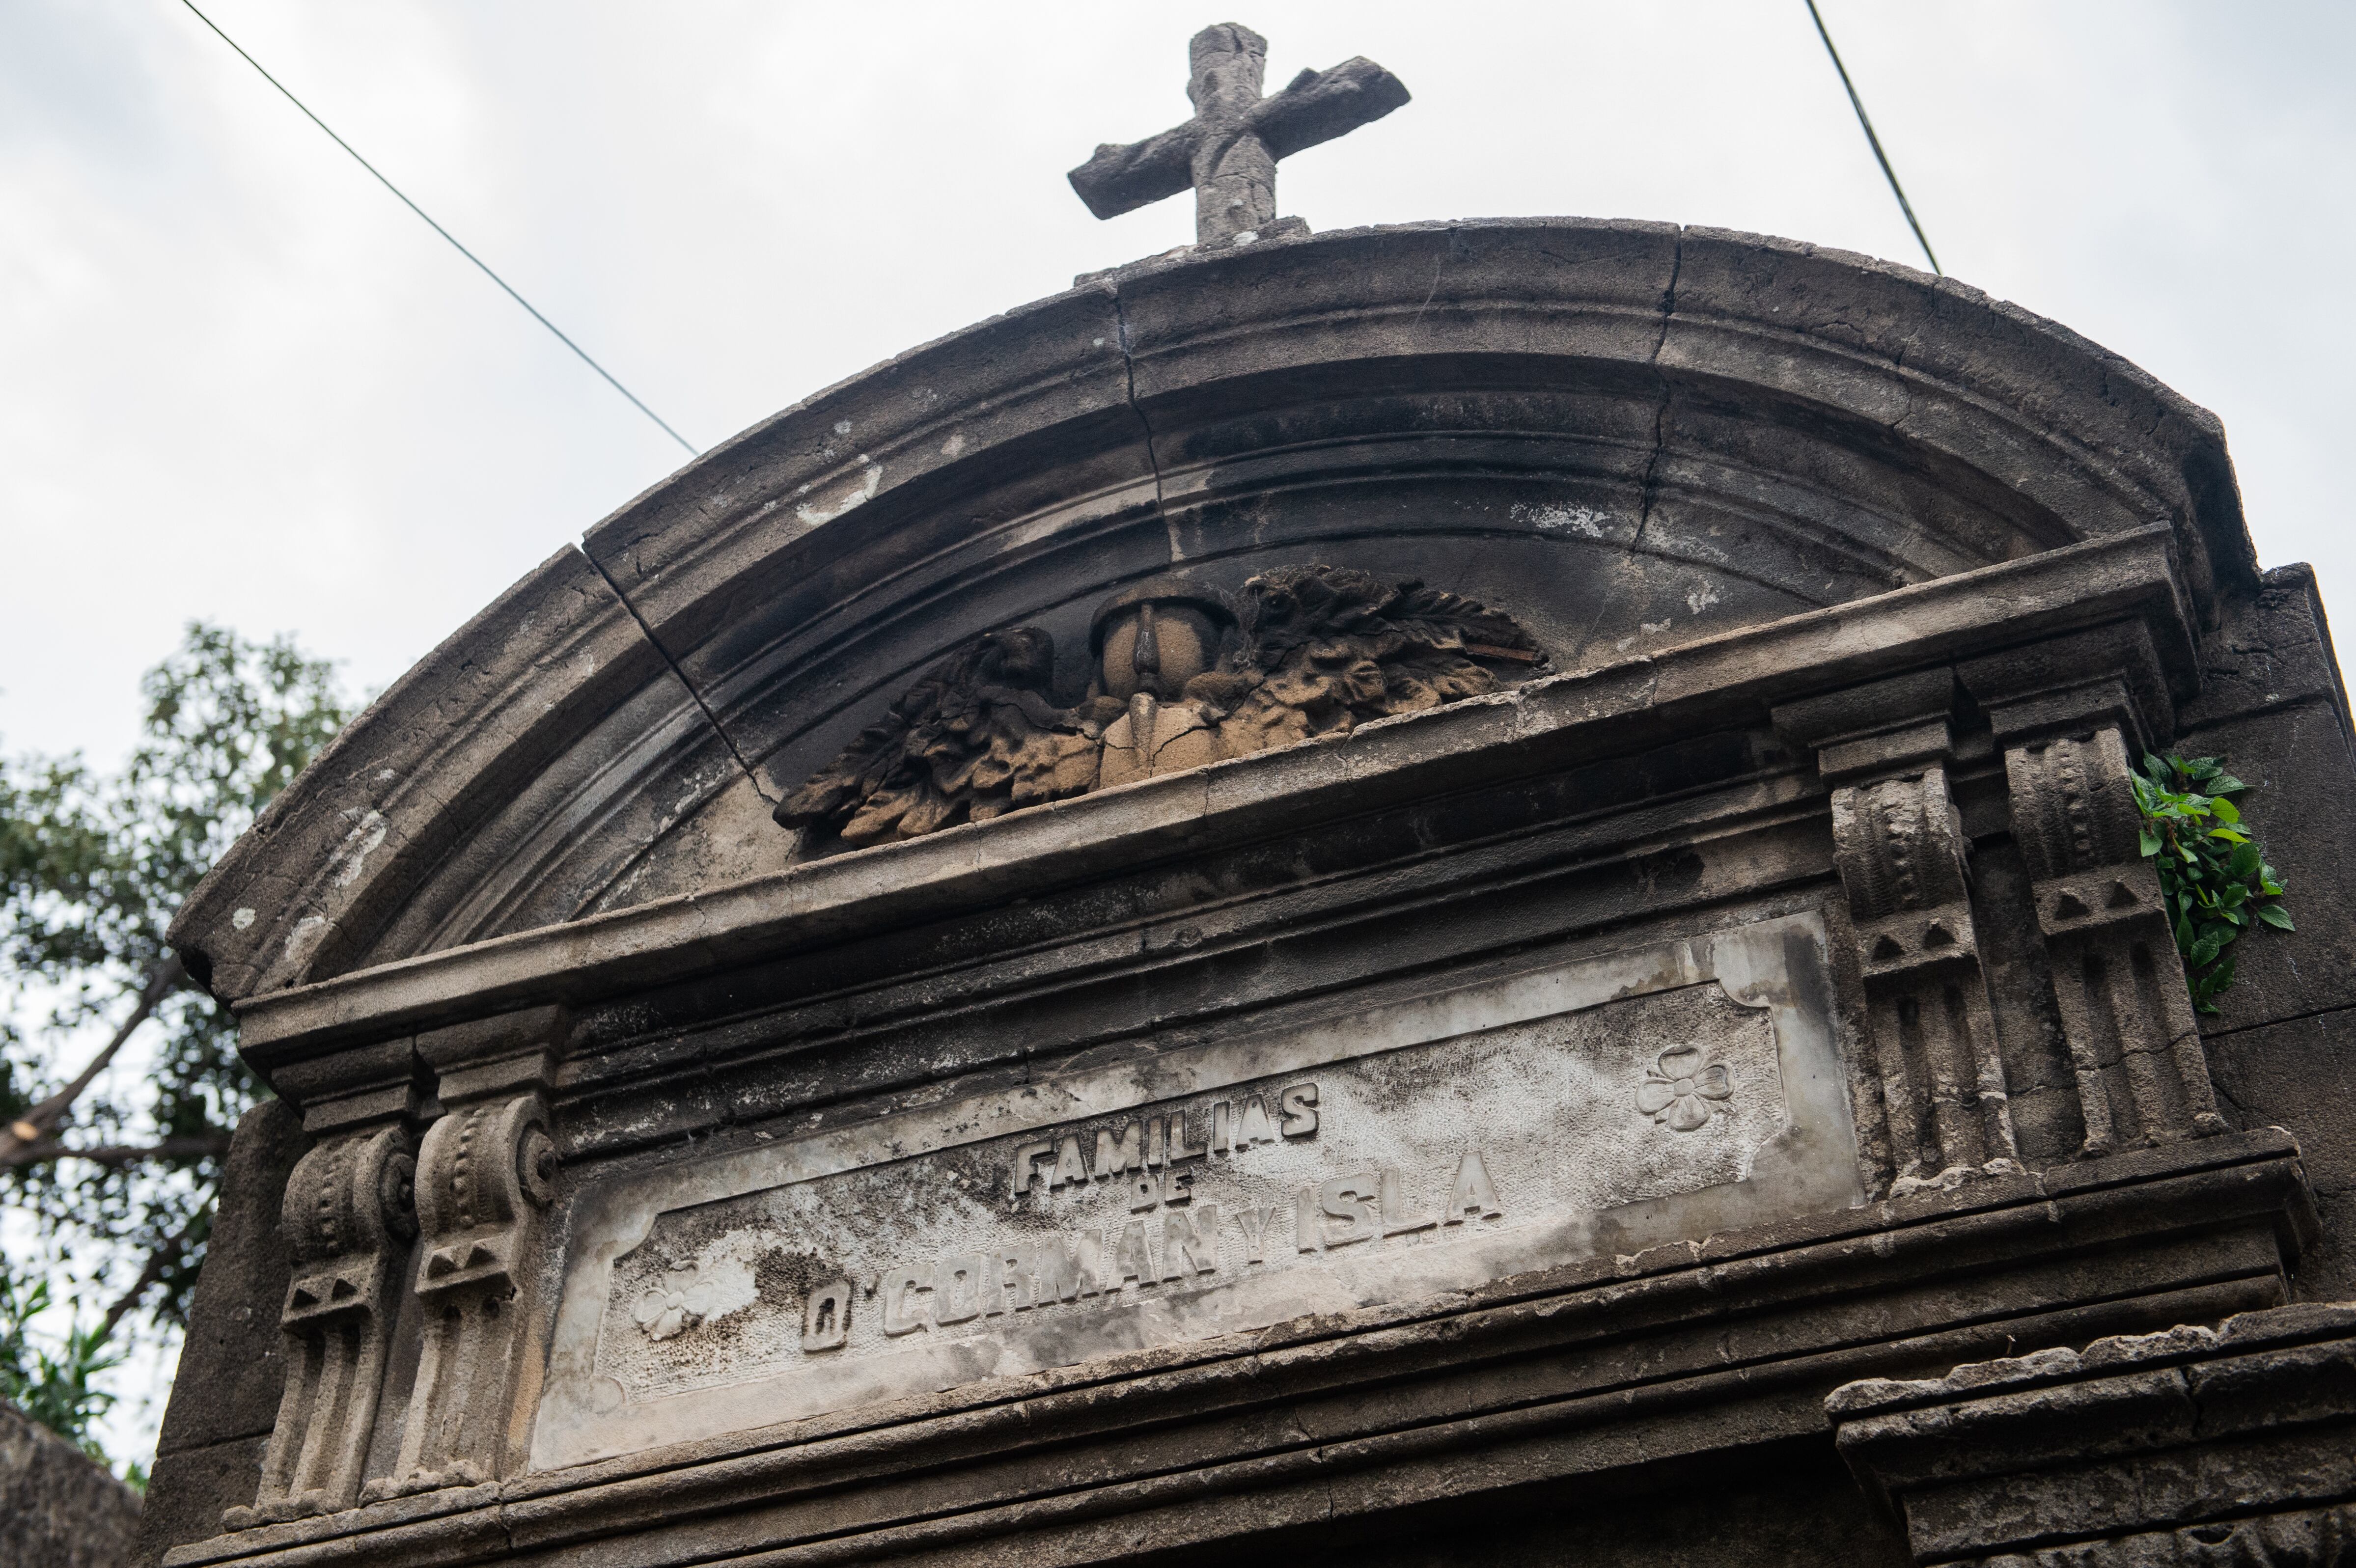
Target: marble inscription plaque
(1607, 1105)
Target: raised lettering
(1397, 1221)
(1144, 1191)
(1471, 1192)
(1116, 1159)
(1056, 1267)
(1129, 1259)
(958, 1285)
(826, 1317)
(903, 1315)
(1013, 1292)
(1252, 1219)
(1190, 1239)
(1179, 1148)
(1351, 1198)
(1070, 1170)
(1252, 1125)
(1299, 1105)
(1223, 1129)
(1304, 1220)
(1025, 1159)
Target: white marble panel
(1609, 1103)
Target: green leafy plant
(2213, 876)
(53, 1386)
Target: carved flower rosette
(1682, 1093)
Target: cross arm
(1319, 105)
(1121, 178)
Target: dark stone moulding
(1824, 607)
(1534, 1382)
(1785, 426)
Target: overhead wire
(1875, 141)
(479, 262)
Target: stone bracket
(348, 1214)
(2066, 714)
(1899, 847)
(486, 1173)
(1557, 1382)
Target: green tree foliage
(2212, 875)
(115, 1173)
(56, 1388)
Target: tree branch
(191, 1147)
(159, 1262)
(167, 976)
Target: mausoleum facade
(1465, 893)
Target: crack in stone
(1650, 490)
(1152, 458)
(1448, 239)
(2271, 1023)
(1661, 410)
(672, 664)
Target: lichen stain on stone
(364, 837)
(783, 1276)
(304, 937)
(1581, 521)
(843, 497)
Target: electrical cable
(1878, 156)
(445, 234)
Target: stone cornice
(1562, 414)
(1551, 1374)
(1731, 680)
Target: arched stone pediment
(1624, 436)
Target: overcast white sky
(239, 381)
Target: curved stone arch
(613, 728)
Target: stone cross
(1227, 152)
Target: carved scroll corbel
(1898, 846)
(484, 1174)
(2066, 714)
(347, 1217)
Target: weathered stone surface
(189, 1489)
(1431, 1146)
(1711, 686)
(1542, 1097)
(2300, 1076)
(1228, 151)
(2275, 710)
(1775, 1509)
(59, 1509)
(1256, 403)
(1612, 1375)
(348, 1213)
(229, 1371)
(2139, 1449)
(408, 832)
(1184, 674)
(231, 1374)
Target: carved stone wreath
(1184, 674)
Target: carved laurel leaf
(1437, 619)
(976, 737)
(1315, 650)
